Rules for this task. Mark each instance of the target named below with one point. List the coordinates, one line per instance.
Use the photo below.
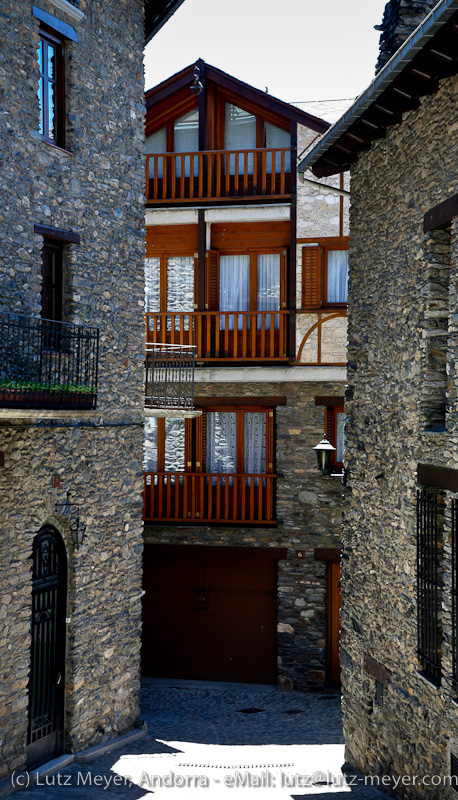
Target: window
(335, 433)
(169, 286)
(52, 281)
(179, 136)
(251, 282)
(51, 90)
(429, 582)
(223, 441)
(325, 273)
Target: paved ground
(214, 741)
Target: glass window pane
(180, 283)
(234, 288)
(156, 143)
(340, 436)
(222, 441)
(40, 105)
(51, 61)
(337, 277)
(239, 134)
(186, 140)
(174, 445)
(276, 138)
(152, 284)
(255, 442)
(40, 56)
(51, 110)
(150, 449)
(269, 287)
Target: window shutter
(211, 280)
(330, 426)
(270, 440)
(201, 443)
(311, 277)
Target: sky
(301, 50)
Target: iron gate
(47, 677)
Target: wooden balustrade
(221, 335)
(218, 175)
(203, 497)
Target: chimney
(400, 18)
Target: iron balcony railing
(169, 376)
(46, 364)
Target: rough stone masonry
(93, 187)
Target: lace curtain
(255, 442)
(180, 289)
(269, 287)
(174, 445)
(150, 445)
(222, 441)
(234, 288)
(239, 134)
(337, 276)
(152, 288)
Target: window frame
(163, 259)
(52, 286)
(314, 283)
(331, 413)
(254, 253)
(49, 37)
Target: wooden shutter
(330, 423)
(311, 277)
(201, 443)
(270, 440)
(211, 280)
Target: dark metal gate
(47, 677)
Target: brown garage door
(210, 613)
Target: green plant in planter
(8, 385)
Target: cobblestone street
(218, 740)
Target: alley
(210, 741)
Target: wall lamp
(324, 450)
(77, 527)
(197, 85)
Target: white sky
(300, 49)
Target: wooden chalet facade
(224, 274)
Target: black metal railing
(429, 583)
(46, 364)
(169, 376)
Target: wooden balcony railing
(183, 497)
(220, 335)
(218, 175)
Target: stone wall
(95, 188)
(308, 516)
(400, 18)
(412, 727)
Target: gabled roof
(430, 53)
(255, 96)
(157, 12)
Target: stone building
(71, 371)
(242, 532)
(400, 569)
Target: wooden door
(209, 614)
(334, 600)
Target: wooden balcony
(184, 497)
(223, 335)
(259, 174)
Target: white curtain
(186, 140)
(156, 143)
(180, 288)
(239, 134)
(234, 288)
(150, 448)
(255, 442)
(222, 441)
(274, 137)
(269, 287)
(174, 445)
(337, 276)
(340, 436)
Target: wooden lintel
(329, 400)
(57, 233)
(269, 402)
(376, 670)
(437, 477)
(330, 554)
(441, 215)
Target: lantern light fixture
(324, 450)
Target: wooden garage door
(210, 613)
